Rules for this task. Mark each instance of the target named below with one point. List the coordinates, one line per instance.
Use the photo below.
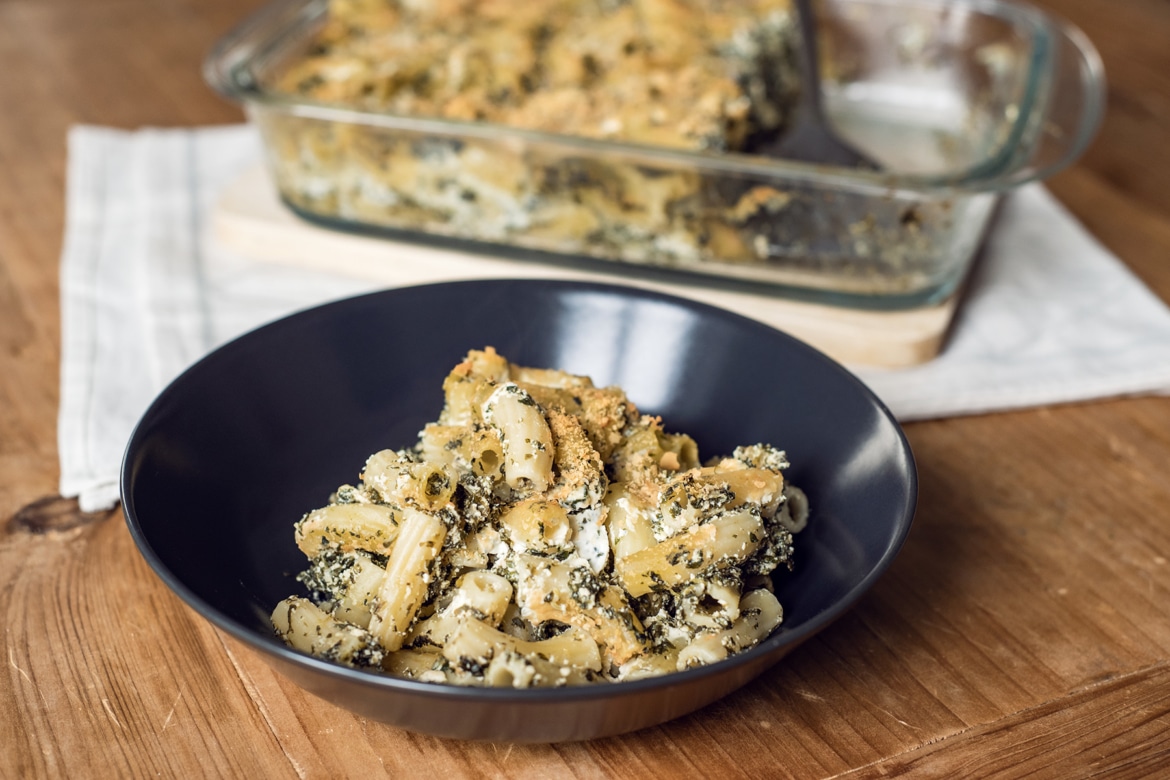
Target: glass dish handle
(1073, 110)
(251, 43)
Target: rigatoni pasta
(543, 532)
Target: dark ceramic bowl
(238, 447)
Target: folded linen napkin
(1050, 315)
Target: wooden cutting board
(249, 219)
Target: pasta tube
(536, 524)
(468, 382)
(630, 528)
(581, 479)
(425, 485)
(724, 540)
(421, 664)
(407, 577)
(356, 603)
(371, 527)
(548, 377)
(794, 511)
(550, 590)
(760, 613)
(762, 487)
(477, 642)
(464, 449)
(653, 664)
(525, 435)
(308, 628)
(479, 595)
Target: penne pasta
(794, 516)
(465, 387)
(548, 377)
(629, 522)
(679, 451)
(310, 629)
(358, 599)
(536, 525)
(370, 527)
(760, 615)
(463, 449)
(476, 642)
(710, 605)
(720, 542)
(653, 664)
(549, 590)
(479, 595)
(581, 480)
(425, 664)
(477, 549)
(407, 577)
(524, 434)
(748, 485)
(543, 532)
(427, 486)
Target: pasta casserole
(543, 532)
(684, 75)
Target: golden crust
(580, 473)
(662, 72)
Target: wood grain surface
(1023, 631)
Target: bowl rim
(781, 638)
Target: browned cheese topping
(691, 74)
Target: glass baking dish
(958, 100)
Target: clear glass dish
(958, 100)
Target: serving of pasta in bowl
(518, 510)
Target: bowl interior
(241, 445)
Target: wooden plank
(109, 675)
(1116, 729)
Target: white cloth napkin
(1050, 315)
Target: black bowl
(263, 429)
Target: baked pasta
(690, 74)
(687, 75)
(543, 532)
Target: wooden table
(1024, 629)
